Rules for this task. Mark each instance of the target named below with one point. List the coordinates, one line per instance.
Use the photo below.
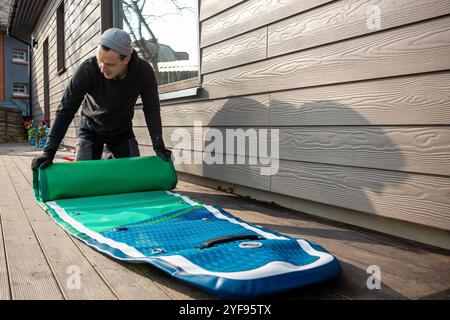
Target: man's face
(110, 63)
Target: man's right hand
(42, 162)
(164, 153)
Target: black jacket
(108, 105)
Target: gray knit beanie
(118, 40)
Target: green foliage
(14, 137)
(32, 132)
(41, 132)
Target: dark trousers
(92, 149)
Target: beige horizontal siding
(246, 48)
(243, 174)
(414, 149)
(250, 15)
(422, 47)
(337, 21)
(417, 198)
(209, 8)
(411, 100)
(408, 149)
(239, 111)
(346, 19)
(363, 114)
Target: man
(108, 85)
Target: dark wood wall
(82, 20)
(11, 125)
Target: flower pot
(42, 142)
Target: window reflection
(164, 33)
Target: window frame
(17, 94)
(110, 18)
(60, 38)
(19, 60)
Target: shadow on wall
(38, 112)
(324, 150)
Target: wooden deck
(36, 255)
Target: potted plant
(26, 125)
(32, 133)
(42, 133)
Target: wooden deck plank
(30, 275)
(5, 290)
(129, 281)
(133, 281)
(62, 254)
(124, 279)
(408, 270)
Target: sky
(179, 30)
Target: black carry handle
(213, 242)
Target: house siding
(363, 114)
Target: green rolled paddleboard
(104, 177)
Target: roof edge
(12, 15)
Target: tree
(138, 18)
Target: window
(60, 46)
(20, 89)
(19, 56)
(164, 33)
